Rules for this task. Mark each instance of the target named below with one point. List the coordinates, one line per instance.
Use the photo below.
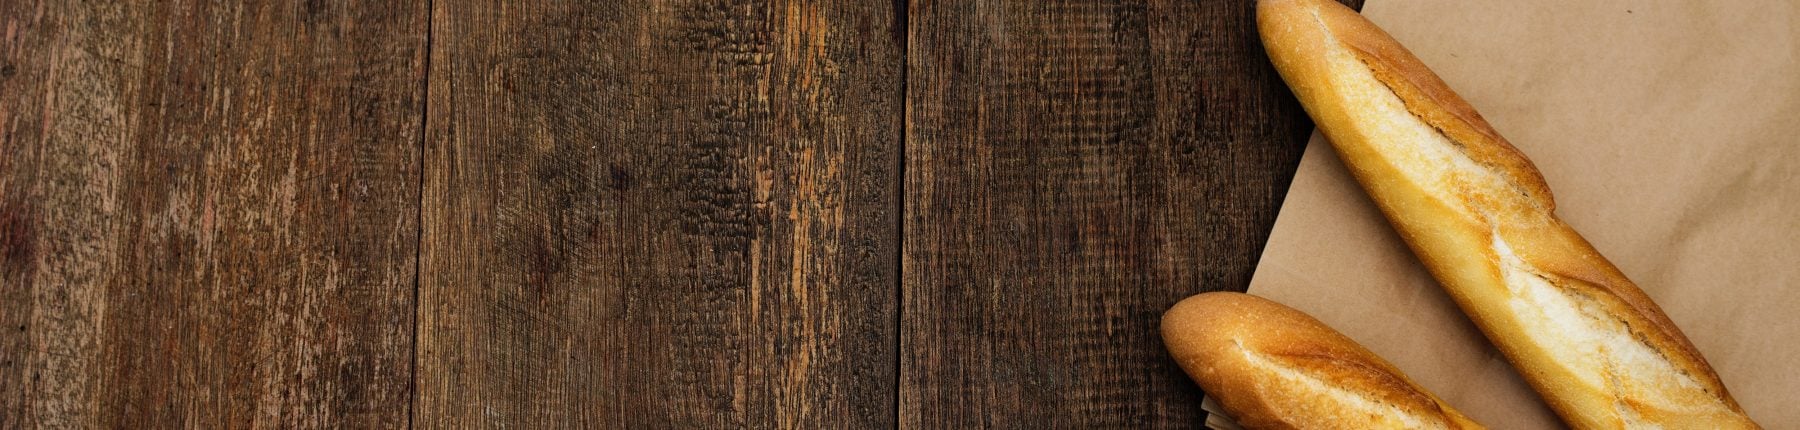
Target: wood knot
(621, 178)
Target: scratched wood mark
(208, 213)
(661, 215)
(1073, 169)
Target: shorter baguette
(1271, 366)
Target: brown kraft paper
(1667, 131)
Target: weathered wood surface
(691, 213)
(649, 215)
(1073, 169)
(208, 213)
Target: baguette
(1481, 218)
(1271, 366)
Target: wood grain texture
(1073, 169)
(661, 214)
(207, 213)
(625, 214)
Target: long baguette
(1481, 218)
(1271, 366)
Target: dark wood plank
(1073, 169)
(208, 213)
(656, 214)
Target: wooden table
(693, 213)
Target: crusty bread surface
(1273, 367)
(1481, 218)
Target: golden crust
(1271, 366)
(1486, 229)
(1427, 97)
